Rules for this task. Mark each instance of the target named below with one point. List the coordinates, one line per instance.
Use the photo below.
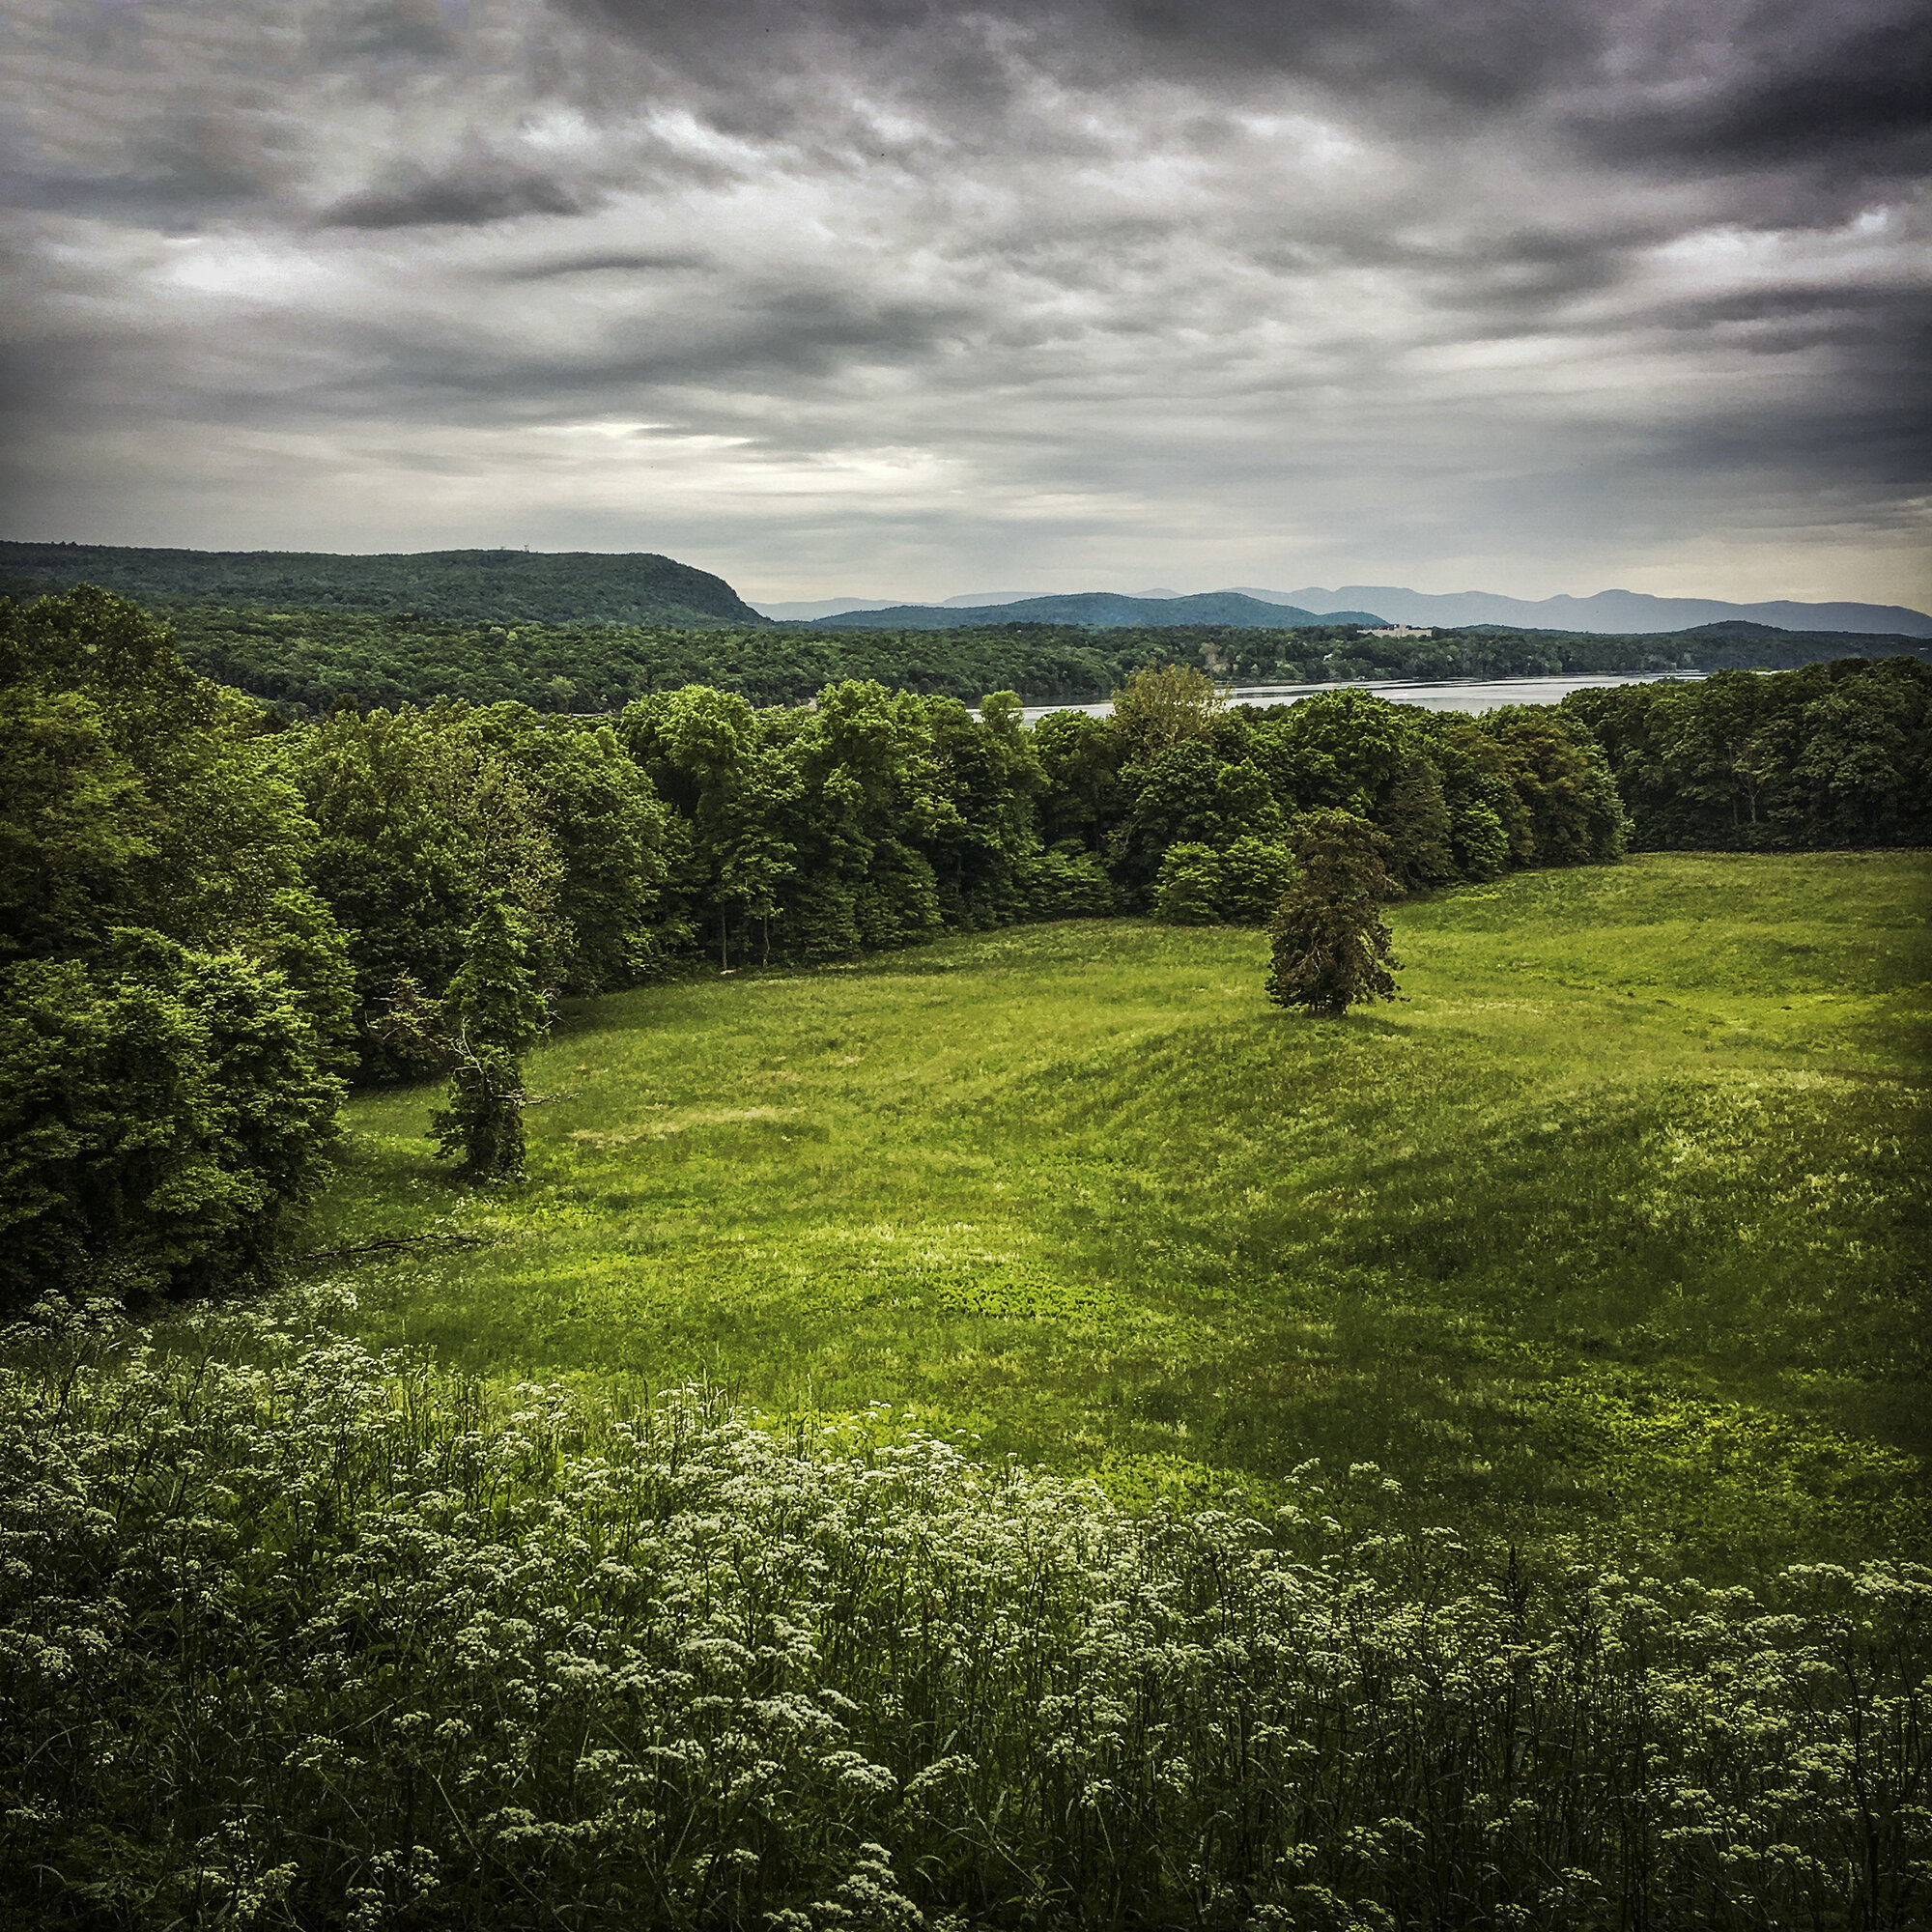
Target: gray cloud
(876, 296)
(603, 262)
(1831, 89)
(459, 197)
(387, 30)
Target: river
(1471, 695)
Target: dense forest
(459, 585)
(1833, 754)
(305, 662)
(198, 906)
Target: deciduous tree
(172, 997)
(479, 1031)
(1331, 948)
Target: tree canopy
(173, 993)
(1836, 753)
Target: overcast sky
(873, 297)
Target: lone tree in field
(492, 1015)
(1331, 948)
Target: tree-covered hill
(1103, 609)
(454, 585)
(306, 661)
(1737, 645)
(1350, 653)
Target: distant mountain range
(1621, 613)
(1103, 609)
(517, 587)
(1618, 611)
(499, 587)
(811, 611)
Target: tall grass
(297, 1635)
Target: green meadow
(1605, 1239)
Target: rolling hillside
(463, 586)
(1103, 609)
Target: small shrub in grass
(1189, 889)
(292, 1634)
(1241, 886)
(1066, 883)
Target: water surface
(1470, 694)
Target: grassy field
(1608, 1237)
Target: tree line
(1834, 753)
(215, 917)
(304, 662)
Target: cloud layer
(870, 295)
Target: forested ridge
(305, 662)
(460, 586)
(295, 1630)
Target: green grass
(1608, 1237)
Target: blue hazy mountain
(805, 611)
(1614, 612)
(1103, 610)
(1621, 613)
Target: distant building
(1398, 631)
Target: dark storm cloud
(1848, 91)
(604, 262)
(788, 333)
(459, 197)
(1721, 81)
(173, 175)
(1478, 52)
(878, 294)
(1481, 54)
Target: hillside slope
(1568, 1239)
(1104, 609)
(1746, 647)
(473, 585)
